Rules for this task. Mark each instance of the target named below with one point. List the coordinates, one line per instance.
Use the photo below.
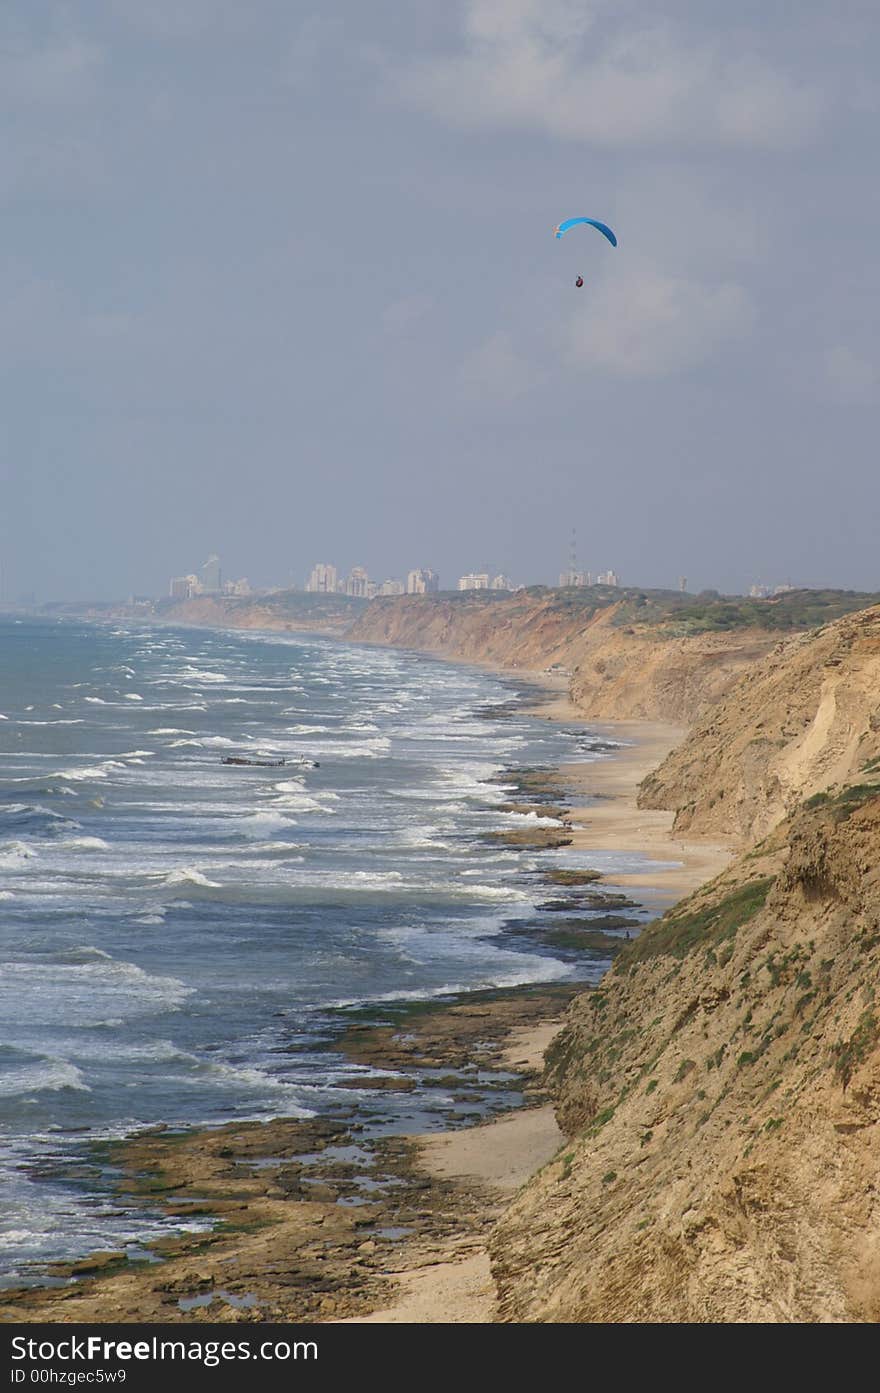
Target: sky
(279, 282)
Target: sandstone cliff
(722, 1094)
(620, 666)
(804, 719)
(290, 610)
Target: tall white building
(392, 587)
(422, 582)
(576, 578)
(358, 582)
(323, 580)
(184, 587)
(474, 582)
(501, 582)
(608, 578)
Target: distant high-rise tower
(210, 576)
(422, 582)
(683, 584)
(358, 582)
(324, 580)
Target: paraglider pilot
(579, 282)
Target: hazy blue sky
(279, 281)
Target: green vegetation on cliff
(681, 930)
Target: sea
(180, 937)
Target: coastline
(453, 1184)
(503, 1154)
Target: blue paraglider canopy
(573, 222)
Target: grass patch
(849, 1054)
(846, 802)
(678, 932)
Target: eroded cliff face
(283, 609)
(805, 718)
(722, 1094)
(617, 670)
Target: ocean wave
(201, 675)
(84, 986)
(14, 855)
(40, 1074)
(78, 721)
(273, 848)
(33, 817)
(90, 771)
(258, 824)
(188, 875)
(84, 844)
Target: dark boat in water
(268, 763)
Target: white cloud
(496, 371)
(645, 323)
(582, 72)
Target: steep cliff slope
(280, 609)
(722, 1093)
(621, 664)
(802, 720)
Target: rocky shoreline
(293, 1219)
(305, 1219)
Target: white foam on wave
(302, 802)
(47, 1075)
(188, 675)
(189, 875)
(133, 696)
(78, 721)
(95, 701)
(298, 786)
(91, 771)
(259, 824)
(273, 848)
(84, 986)
(170, 730)
(14, 855)
(354, 749)
(84, 844)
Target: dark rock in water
(393, 1083)
(557, 876)
(596, 900)
(546, 838)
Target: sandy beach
(502, 1155)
